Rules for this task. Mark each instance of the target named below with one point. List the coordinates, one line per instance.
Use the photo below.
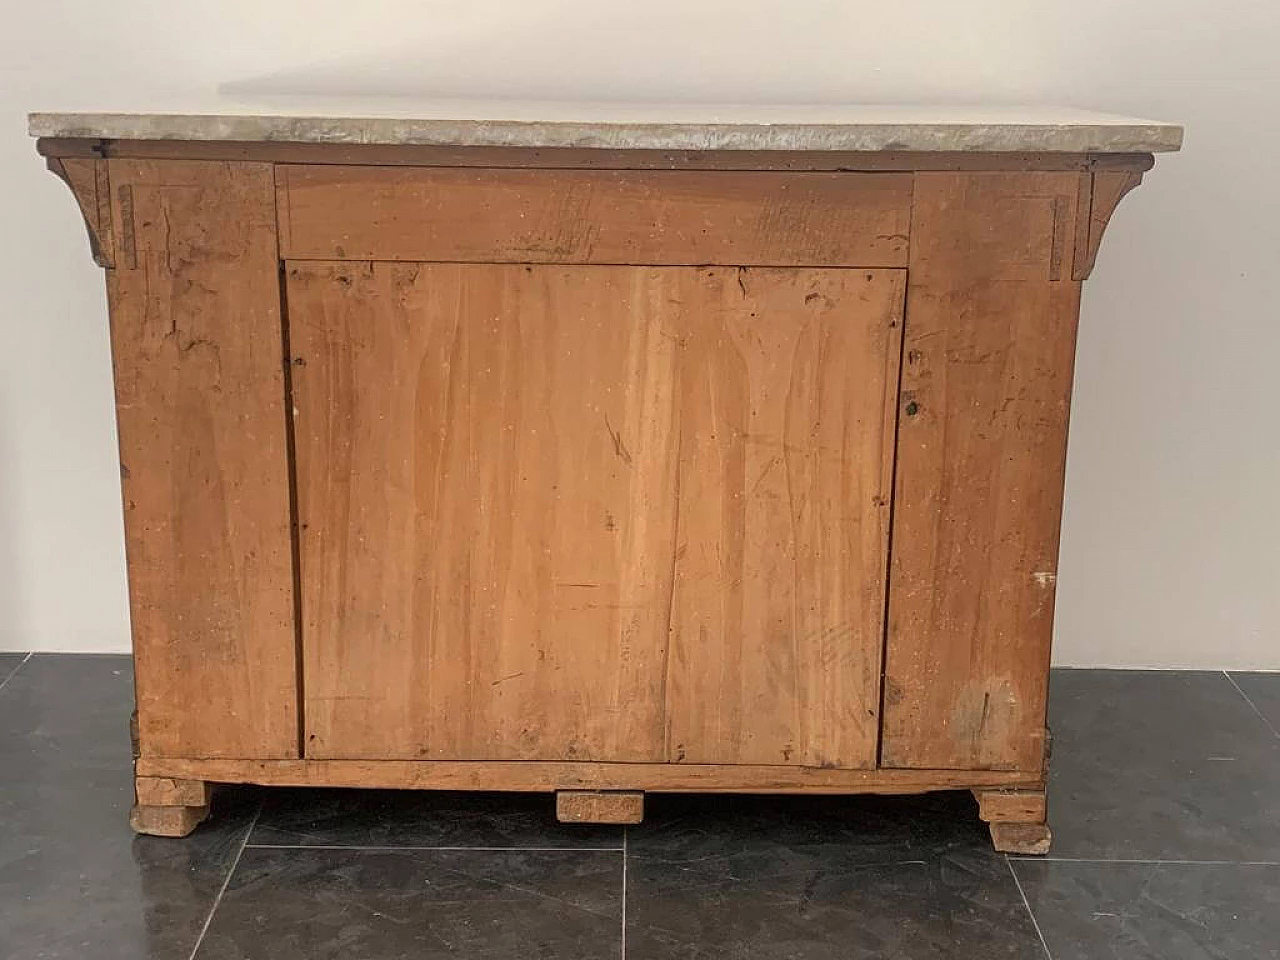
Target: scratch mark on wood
(619, 447)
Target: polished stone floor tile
(1131, 911)
(383, 818)
(75, 882)
(811, 878)
(64, 711)
(1147, 766)
(324, 904)
(1160, 766)
(872, 829)
(820, 905)
(9, 664)
(1263, 691)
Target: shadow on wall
(677, 53)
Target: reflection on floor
(1164, 801)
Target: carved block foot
(167, 807)
(166, 821)
(599, 806)
(1024, 838)
(1017, 819)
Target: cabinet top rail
(778, 127)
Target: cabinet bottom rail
(539, 776)
(173, 794)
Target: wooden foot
(599, 806)
(1017, 819)
(167, 807)
(166, 821)
(1024, 838)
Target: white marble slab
(642, 126)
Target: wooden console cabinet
(648, 457)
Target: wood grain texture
(986, 383)
(599, 806)
(613, 513)
(90, 184)
(1108, 188)
(540, 776)
(1011, 806)
(171, 792)
(196, 339)
(166, 821)
(563, 216)
(1023, 839)
(786, 450)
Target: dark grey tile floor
(1165, 801)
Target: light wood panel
(619, 513)
(196, 339)
(593, 216)
(486, 553)
(986, 382)
(541, 776)
(786, 437)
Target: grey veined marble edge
(1109, 136)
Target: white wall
(1170, 547)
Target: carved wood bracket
(88, 181)
(1102, 191)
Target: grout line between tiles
(1027, 903)
(227, 880)
(623, 955)
(14, 672)
(1186, 863)
(386, 848)
(1253, 706)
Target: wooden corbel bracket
(88, 181)
(1102, 190)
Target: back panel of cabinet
(628, 513)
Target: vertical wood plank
(786, 434)
(986, 383)
(486, 547)
(196, 337)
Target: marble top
(642, 127)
